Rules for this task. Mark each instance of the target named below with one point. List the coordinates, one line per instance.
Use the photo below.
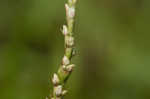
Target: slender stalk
(59, 79)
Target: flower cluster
(66, 67)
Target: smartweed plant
(60, 78)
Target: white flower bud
(64, 67)
(64, 92)
(58, 90)
(65, 30)
(72, 1)
(69, 68)
(70, 11)
(67, 7)
(70, 41)
(65, 61)
(55, 79)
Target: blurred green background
(112, 43)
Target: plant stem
(59, 79)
